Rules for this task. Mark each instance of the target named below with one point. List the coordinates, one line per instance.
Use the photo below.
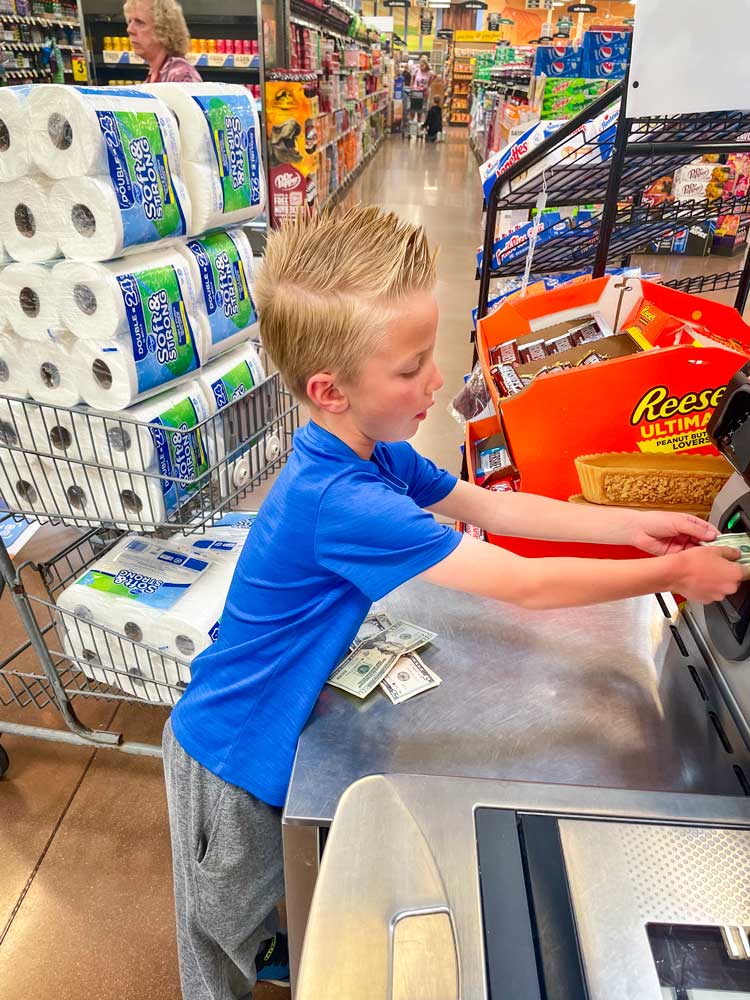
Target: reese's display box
(655, 398)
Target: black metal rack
(592, 161)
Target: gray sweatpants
(228, 876)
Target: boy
(349, 317)
(434, 122)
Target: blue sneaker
(272, 961)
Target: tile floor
(85, 878)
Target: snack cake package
(503, 160)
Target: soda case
(595, 38)
(655, 402)
(593, 69)
(557, 60)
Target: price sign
(216, 58)
(493, 22)
(425, 23)
(78, 64)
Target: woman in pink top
(423, 77)
(158, 33)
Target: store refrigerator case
(437, 888)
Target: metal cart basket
(109, 475)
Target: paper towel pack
(221, 266)
(15, 154)
(220, 139)
(137, 587)
(29, 300)
(28, 224)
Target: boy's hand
(662, 533)
(708, 574)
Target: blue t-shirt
(335, 533)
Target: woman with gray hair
(158, 33)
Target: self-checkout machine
(433, 888)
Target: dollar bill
(362, 670)
(408, 677)
(402, 637)
(738, 541)
(371, 626)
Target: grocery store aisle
(85, 876)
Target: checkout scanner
(439, 888)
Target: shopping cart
(96, 473)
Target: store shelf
(700, 284)
(28, 74)
(581, 178)
(331, 198)
(40, 22)
(201, 60)
(635, 227)
(352, 128)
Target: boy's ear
(324, 393)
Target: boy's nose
(437, 379)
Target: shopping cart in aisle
(108, 476)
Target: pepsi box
(557, 61)
(606, 53)
(608, 70)
(607, 38)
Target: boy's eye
(411, 373)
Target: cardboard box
(731, 235)
(696, 241)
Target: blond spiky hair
(327, 285)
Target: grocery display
(326, 113)
(41, 43)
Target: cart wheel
(4, 761)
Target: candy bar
(506, 380)
(509, 485)
(559, 344)
(586, 333)
(534, 351)
(475, 532)
(592, 358)
(491, 455)
(505, 354)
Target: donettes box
(658, 401)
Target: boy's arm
(699, 574)
(527, 515)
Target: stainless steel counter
(600, 696)
(582, 696)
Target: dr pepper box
(655, 400)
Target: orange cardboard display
(655, 401)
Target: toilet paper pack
(222, 266)
(28, 299)
(219, 130)
(174, 453)
(25, 484)
(98, 301)
(96, 221)
(125, 133)
(28, 224)
(15, 154)
(164, 341)
(15, 365)
(53, 373)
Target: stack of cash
(738, 541)
(384, 653)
